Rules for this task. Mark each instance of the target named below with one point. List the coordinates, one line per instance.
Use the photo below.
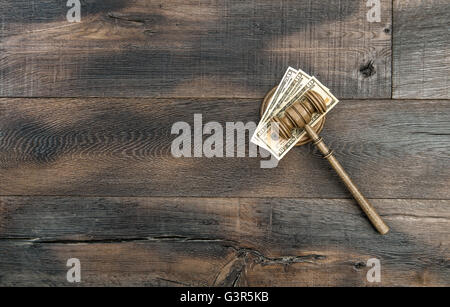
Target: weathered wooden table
(86, 169)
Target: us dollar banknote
(288, 78)
(266, 134)
(288, 87)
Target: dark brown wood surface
(421, 56)
(221, 241)
(101, 147)
(186, 48)
(89, 176)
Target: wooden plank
(186, 48)
(421, 56)
(113, 264)
(202, 241)
(122, 147)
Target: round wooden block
(305, 139)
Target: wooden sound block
(305, 139)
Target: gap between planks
(220, 197)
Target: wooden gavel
(299, 115)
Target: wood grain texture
(122, 147)
(137, 216)
(216, 241)
(190, 48)
(421, 54)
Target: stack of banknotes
(294, 85)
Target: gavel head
(300, 113)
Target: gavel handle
(368, 209)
